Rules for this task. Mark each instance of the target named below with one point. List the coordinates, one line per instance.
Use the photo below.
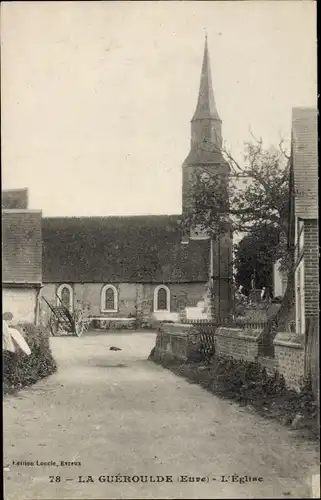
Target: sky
(97, 97)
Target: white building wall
(21, 302)
(279, 281)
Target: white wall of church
(132, 297)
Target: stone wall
(182, 342)
(289, 357)
(237, 343)
(90, 293)
(177, 342)
(113, 324)
(134, 299)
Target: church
(145, 267)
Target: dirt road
(114, 412)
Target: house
(146, 266)
(304, 233)
(21, 258)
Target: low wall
(289, 357)
(237, 343)
(112, 323)
(244, 344)
(177, 341)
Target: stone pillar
(208, 301)
(182, 302)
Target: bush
(20, 370)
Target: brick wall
(182, 342)
(289, 357)
(237, 343)
(243, 344)
(311, 268)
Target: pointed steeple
(206, 107)
(206, 124)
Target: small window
(65, 294)
(109, 299)
(161, 298)
(65, 297)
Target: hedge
(20, 370)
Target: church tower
(206, 136)
(205, 157)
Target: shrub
(20, 370)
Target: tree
(255, 194)
(255, 255)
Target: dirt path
(117, 413)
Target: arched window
(161, 298)
(109, 299)
(65, 294)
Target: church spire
(206, 107)
(206, 123)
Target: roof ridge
(109, 216)
(13, 190)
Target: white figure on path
(12, 338)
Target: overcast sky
(97, 97)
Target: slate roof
(145, 249)
(305, 162)
(14, 199)
(21, 246)
(206, 106)
(204, 155)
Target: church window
(161, 298)
(65, 294)
(109, 299)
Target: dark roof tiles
(14, 199)
(120, 249)
(21, 246)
